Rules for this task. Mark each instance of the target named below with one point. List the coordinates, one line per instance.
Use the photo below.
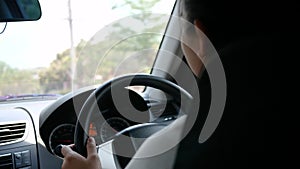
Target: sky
(35, 44)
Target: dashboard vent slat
(11, 132)
(6, 161)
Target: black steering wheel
(180, 96)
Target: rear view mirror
(19, 10)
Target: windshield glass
(80, 43)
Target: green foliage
(15, 81)
(57, 77)
(137, 5)
(100, 62)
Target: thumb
(91, 147)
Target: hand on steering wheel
(73, 160)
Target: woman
(227, 25)
(73, 160)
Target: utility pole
(72, 49)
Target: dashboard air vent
(11, 132)
(6, 161)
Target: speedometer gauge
(62, 134)
(111, 127)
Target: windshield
(80, 43)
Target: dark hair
(238, 17)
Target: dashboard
(58, 121)
(20, 145)
(34, 129)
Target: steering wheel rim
(90, 105)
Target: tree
(56, 78)
(14, 81)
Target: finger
(66, 151)
(91, 146)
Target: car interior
(167, 117)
